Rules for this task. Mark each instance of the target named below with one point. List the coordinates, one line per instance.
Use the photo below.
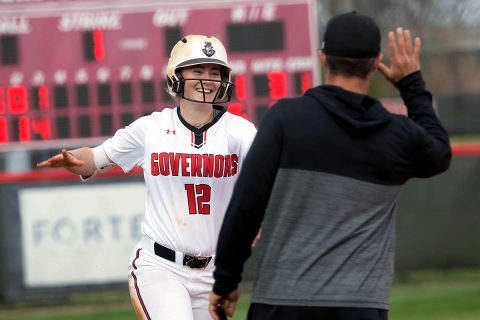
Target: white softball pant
(161, 289)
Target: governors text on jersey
(193, 165)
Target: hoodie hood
(356, 113)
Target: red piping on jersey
(136, 285)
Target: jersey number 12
(198, 198)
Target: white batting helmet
(194, 50)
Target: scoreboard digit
(83, 69)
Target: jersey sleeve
(248, 136)
(127, 148)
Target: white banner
(79, 235)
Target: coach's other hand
(228, 303)
(405, 58)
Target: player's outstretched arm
(78, 161)
(404, 58)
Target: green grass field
(425, 296)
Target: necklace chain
(198, 126)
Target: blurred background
(74, 72)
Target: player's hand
(228, 303)
(62, 160)
(405, 58)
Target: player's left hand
(228, 303)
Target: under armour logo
(171, 131)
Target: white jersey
(189, 174)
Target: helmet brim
(194, 62)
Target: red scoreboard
(83, 69)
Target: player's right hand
(62, 160)
(405, 58)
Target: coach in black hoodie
(323, 177)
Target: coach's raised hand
(405, 58)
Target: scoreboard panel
(83, 69)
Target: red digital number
(198, 198)
(305, 81)
(43, 102)
(42, 127)
(98, 45)
(17, 100)
(237, 109)
(240, 87)
(3, 130)
(277, 83)
(2, 102)
(24, 134)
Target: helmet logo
(208, 49)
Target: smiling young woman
(189, 180)
(201, 83)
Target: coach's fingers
(408, 41)
(216, 304)
(387, 72)
(230, 308)
(212, 309)
(401, 42)
(257, 238)
(392, 46)
(417, 48)
(383, 69)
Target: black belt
(194, 262)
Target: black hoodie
(355, 113)
(323, 176)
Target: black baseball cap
(351, 35)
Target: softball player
(191, 156)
